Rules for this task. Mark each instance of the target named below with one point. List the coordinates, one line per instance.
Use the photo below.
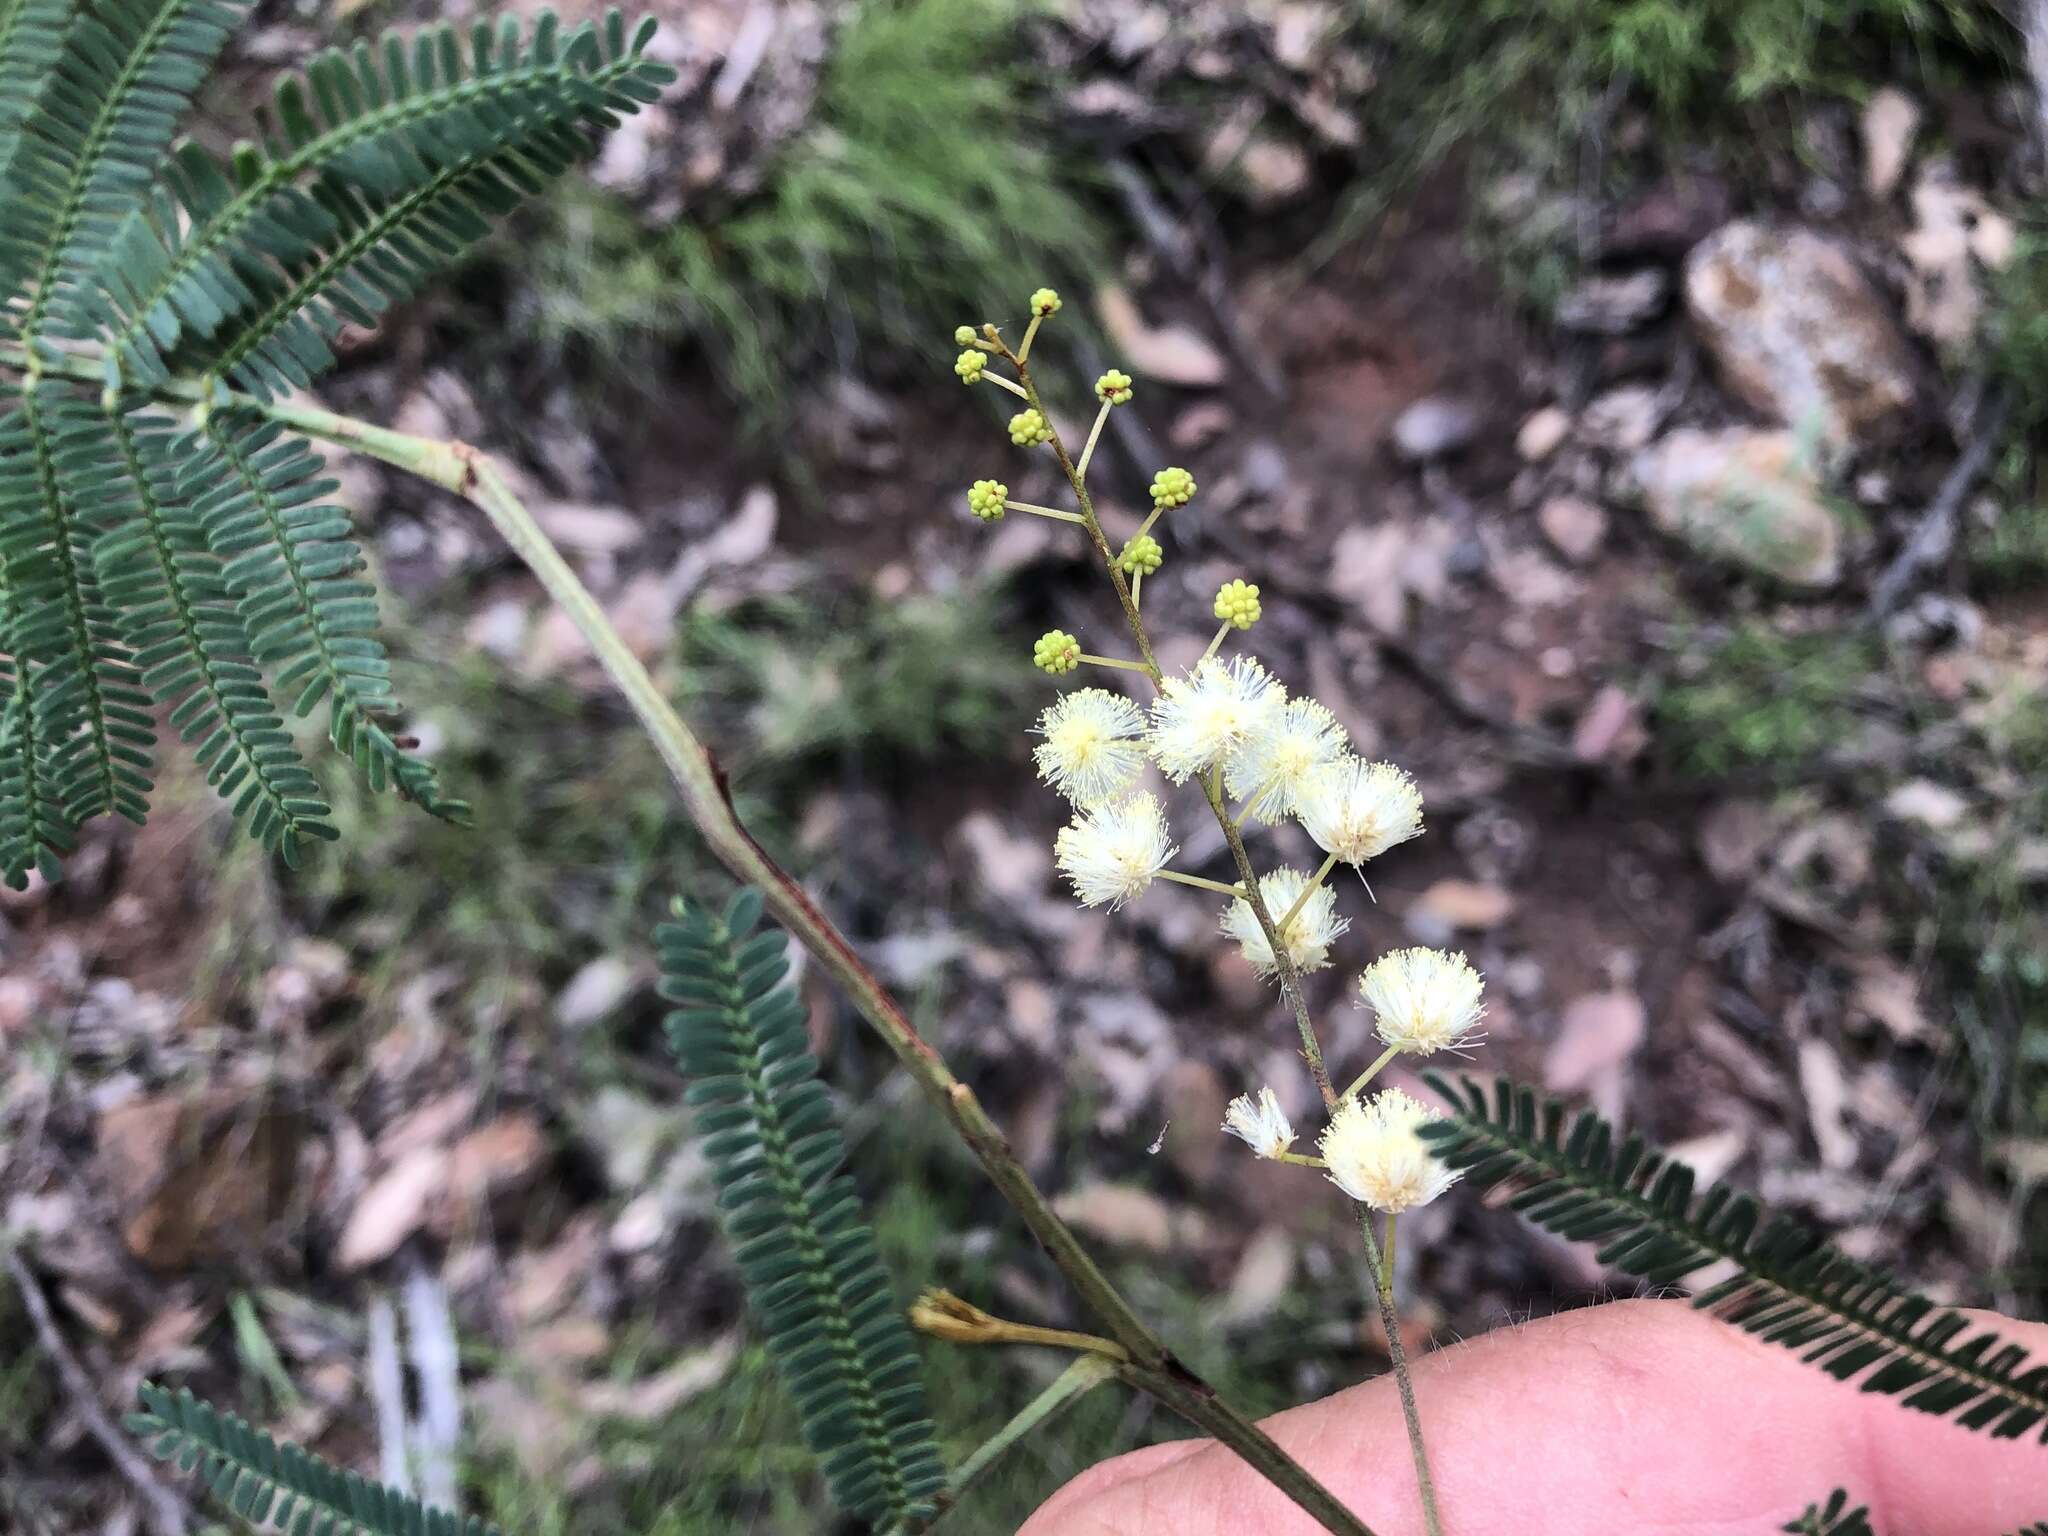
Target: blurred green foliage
(1758, 700)
(925, 181)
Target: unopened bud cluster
(1227, 725)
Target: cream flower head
(1259, 1123)
(1423, 1000)
(1199, 719)
(1092, 750)
(1376, 1157)
(1112, 852)
(1307, 935)
(1274, 767)
(1358, 810)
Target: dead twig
(163, 1509)
(1934, 537)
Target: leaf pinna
(201, 567)
(806, 1255)
(271, 1485)
(1792, 1289)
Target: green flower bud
(1141, 556)
(1028, 429)
(1115, 387)
(969, 365)
(1237, 603)
(1056, 652)
(1045, 302)
(963, 335)
(1172, 488)
(987, 498)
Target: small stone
(1435, 426)
(1575, 527)
(1200, 424)
(1744, 496)
(593, 992)
(1623, 419)
(1799, 332)
(1614, 306)
(1890, 120)
(1543, 433)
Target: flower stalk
(464, 471)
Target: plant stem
(1387, 1257)
(1000, 381)
(1036, 510)
(1094, 435)
(1111, 661)
(1074, 1383)
(1216, 641)
(1197, 880)
(1372, 1071)
(1309, 890)
(1404, 1382)
(701, 785)
(1290, 976)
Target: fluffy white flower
(1091, 752)
(1376, 1157)
(1201, 718)
(1423, 1000)
(1358, 810)
(1112, 852)
(1307, 935)
(1276, 765)
(1259, 1123)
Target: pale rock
(1926, 804)
(1525, 576)
(588, 530)
(1746, 496)
(1129, 1216)
(1615, 305)
(1456, 906)
(1624, 418)
(1169, 354)
(1263, 1276)
(1272, 171)
(1608, 730)
(1799, 333)
(1575, 527)
(1891, 118)
(1955, 230)
(1196, 427)
(1826, 1091)
(1543, 433)
(1377, 568)
(593, 992)
(1434, 427)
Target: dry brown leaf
(393, 1208)
(1461, 906)
(1169, 354)
(1131, 1216)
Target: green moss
(926, 182)
(1757, 700)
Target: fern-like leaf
(89, 151)
(272, 1484)
(362, 132)
(1791, 1288)
(808, 1260)
(190, 643)
(31, 36)
(296, 575)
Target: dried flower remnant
(1260, 1123)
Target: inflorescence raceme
(1263, 758)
